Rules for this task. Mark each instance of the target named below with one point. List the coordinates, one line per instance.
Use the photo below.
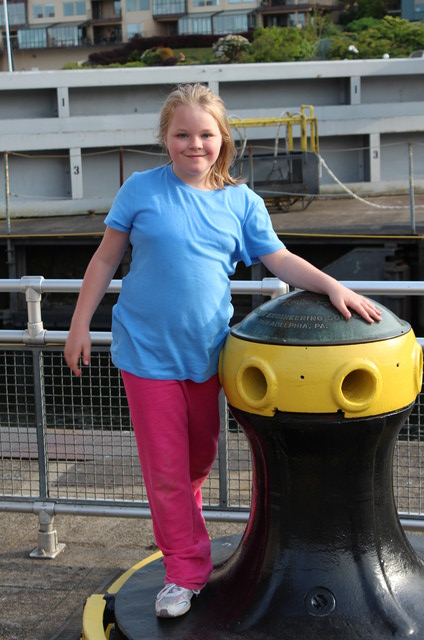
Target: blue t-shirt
(173, 312)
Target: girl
(188, 223)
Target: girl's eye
(181, 135)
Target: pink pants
(176, 425)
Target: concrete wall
(44, 59)
(71, 135)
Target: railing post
(31, 286)
(11, 254)
(411, 188)
(222, 453)
(48, 546)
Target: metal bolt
(320, 601)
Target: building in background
(413, 9)
(44, 34)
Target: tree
(356, 9)
(320, 25)
(357, 26)
(374, 38)
(278, 44)
(405, 36)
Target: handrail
(267, 286)
(34, 286)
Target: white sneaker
(173, 601)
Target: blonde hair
(199, 95)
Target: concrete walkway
(43, 599)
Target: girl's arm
(299, 273)
(100, 272)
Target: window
(74, 8)
(68, 9)
(297, 20)
(138, 5)
(32, 38)
(168, 7)
(234, 23)
(117, 8)
(15, 12)
(412, 9)
(206, 3)
(43, 11)
(134, 30)
(64, 36)
(188, 26)
(37, 11)
(80, 8)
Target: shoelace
(170, 589)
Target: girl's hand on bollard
(301, 274)
(345, 300)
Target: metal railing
(66, 443)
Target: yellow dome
(361, 379)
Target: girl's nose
(196, 142)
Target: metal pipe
(10, 247)
(33, 286)
(267, 286)
(111, 511)
(117, 511)
(6, 189)
(6, 26)
(411, 188)
(405, 288)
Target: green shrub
(159, 57)
(393, 36)
(276, 44)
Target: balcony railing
(168, 8)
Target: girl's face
(193, 142)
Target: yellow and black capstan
(296, 353)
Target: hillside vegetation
(363, 38)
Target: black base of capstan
(133, 607)
(323, 555)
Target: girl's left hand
(345, 299)
(301, 274)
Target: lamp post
(6, 25)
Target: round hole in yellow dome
(255, 382)
(357, 385)
(418, 367)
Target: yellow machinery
(291, 172)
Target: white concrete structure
(72, 136)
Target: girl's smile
(193, 142)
